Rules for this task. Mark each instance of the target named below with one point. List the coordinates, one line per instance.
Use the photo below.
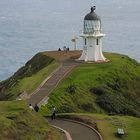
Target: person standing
(31, 107)
(53, 113)
(59, 49)
(36, 108)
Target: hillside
(27, 78)
(112, 88)
(30, 76)
(17, 122)
(104, 88)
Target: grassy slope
(107, 125)
(17, 122)
(98, 86)
(117, 79)
(27, 78)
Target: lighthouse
(92, 38)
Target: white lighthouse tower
(92, 38)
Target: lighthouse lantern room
(92, 38)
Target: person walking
(36, 108)
(53, 116)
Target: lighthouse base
(94, 54)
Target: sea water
(31, 26)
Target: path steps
(42, 92)
(76, 130)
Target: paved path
(77, 131)
(42, 92)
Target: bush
(87, 107)
(97, 90)
(117, 103)
(71, 89)
(66, 109)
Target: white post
(74, 41)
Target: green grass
(28, 78)
(29, 84)
(107, 125)
(118, 79)
(17, 122)
(112, 87)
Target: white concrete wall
(91, 51)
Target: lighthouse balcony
(92, 31)
(92, 34)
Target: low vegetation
(17, 122)
(112, 87)
(27, 78)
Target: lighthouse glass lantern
(92, 38)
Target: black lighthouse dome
(92, 15)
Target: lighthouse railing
(88, 32)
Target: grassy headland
(105, 88)
(112, 87)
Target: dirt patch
(63, 55)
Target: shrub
(97, 90)
(87, 107)
(66, 109)
(117, 103)
(71, 89)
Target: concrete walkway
(77, 131)
(41, 94)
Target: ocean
(31, 26)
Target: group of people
(64, 49)
(36, 108)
